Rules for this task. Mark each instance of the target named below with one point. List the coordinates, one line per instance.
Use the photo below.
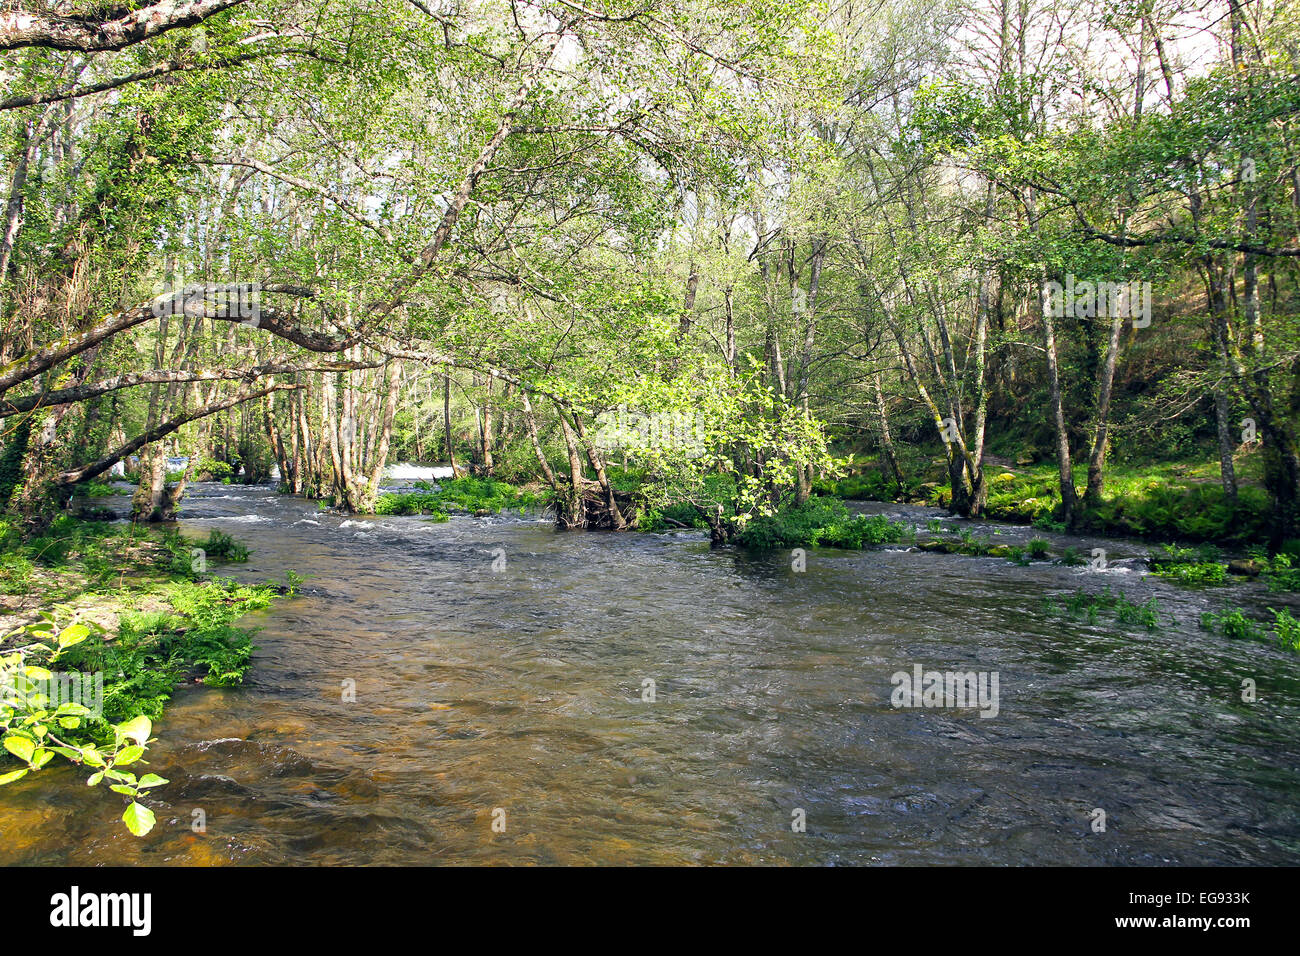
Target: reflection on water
(521, 689)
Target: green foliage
(211, 469)
(474, 495)
(1194, 574)
(223, 547)
(969, 544)
(1085, 604)
(1039, 549)
(1232, 623)
(1287, 629)
(34, 728)
(1235, 624)
(1279, 573)
(1139, 503)
(670, 517)
(11, 458)
(820, 522)
(98, 489)
(140, 666)
(411, 503)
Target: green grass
(1171, 500)
(469, 494)
(172, 625)
(823, 522)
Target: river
(499, 672)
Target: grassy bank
(1164, 501)
(134, 614)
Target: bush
(1204, 575)
(467, 494)
(1280, 575)
(671, 517)
(1232, 623)
(820, 521)
(1287, 629)
(411, 503)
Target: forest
(718, 270)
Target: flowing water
(500, 666)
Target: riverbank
(1172, 501)
(101, 624)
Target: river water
(499, 671)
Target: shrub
(820, 521)
(1194, 574)
(1287, 629)
(1232, 623)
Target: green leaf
(128, 755)
(152, 780)
(123, 788)
(20, 747)
(73, 634)
(137, 729)
(12, 776)
(93, 780)
(139, 819)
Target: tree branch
(26, 28)
(97, 468)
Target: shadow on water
(521, 686)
